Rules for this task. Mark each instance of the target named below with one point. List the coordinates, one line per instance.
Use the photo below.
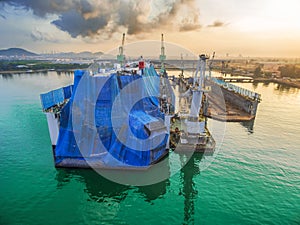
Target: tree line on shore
(291, 71)
(21, 65)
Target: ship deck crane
(199, 81)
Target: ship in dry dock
(122, 115)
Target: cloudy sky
(249, 28)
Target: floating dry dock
(226, 101)
(240, 104)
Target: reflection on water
(97, 187)
(249, 125)
(285, 88)
(104, 191)
(36, 74)
(254, 85)
(7, 76)
(152, 192)
(189, 189)
(266, 84)
(100, 189)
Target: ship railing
(239, 90)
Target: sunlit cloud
(38, 35)
(262, 27)
(217, 23)
(91, 18)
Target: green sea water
(254, 179)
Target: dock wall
(240, 101)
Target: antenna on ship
(121, 56)
(162, 56)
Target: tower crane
(121, 56)
(162, 56)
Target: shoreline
(278, 81)
(37, 71)
(259, 79)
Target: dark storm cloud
(89, 18)
(75, 24)
(40, 8)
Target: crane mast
(162, 56)
(121, 56)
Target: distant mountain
(16, 52)
(74, 55)
(98, 54)
(90, 54)
(19, 52)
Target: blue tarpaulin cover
(117, 134)
(56, 97)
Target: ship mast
(121, 56)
